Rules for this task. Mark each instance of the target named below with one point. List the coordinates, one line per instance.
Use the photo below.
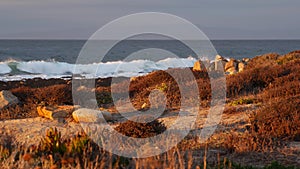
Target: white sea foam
(45, 69)
(4, 68)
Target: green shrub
(162, 87)
(78, 144)
(103, 98)
(242, 101)
(52, 142)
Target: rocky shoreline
(231, 66)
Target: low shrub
(262, 61)
(103, 97)
(253, 81)
(51, 95)
(141, 130)
(288, 57)
(52, 142)
(30, 98)
(6, 146)
(278, 119)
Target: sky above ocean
(218, 19)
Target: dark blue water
(68, 50)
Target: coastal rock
(91, 116)
(241, 66)
(218, 58)
(231, 67)
(219, 63)
(245, 60)
(231, 64)
(199, 66)
(132, 79)
(231, 71)
(55, 112)
(211, 66)
(7, 98)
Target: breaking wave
(17, 70)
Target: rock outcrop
(85, 115)
(231, 67)
(7, 98)
(241, 66)
(220, 63)
(245, 60)
(199, 66)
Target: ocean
(22, 59)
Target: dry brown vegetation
(141, 130)
(270, 82)
(274, 81)
(30, 98)
(81, 152)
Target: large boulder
(231, 67)
(218, 58)
(199, 66)
(91, 116)
(231, 63)
(7, 98)
(219, 63)
(231, 71)
(211, 66)
(58, 112)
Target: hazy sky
(219, 19)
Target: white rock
(91, 116)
